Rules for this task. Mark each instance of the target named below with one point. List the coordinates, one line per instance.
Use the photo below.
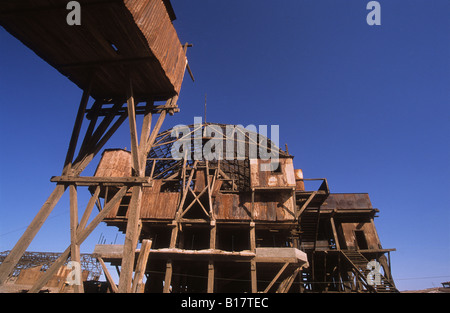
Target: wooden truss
(105, 118)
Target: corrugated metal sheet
(348, 201)
(270, 206)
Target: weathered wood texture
(136, 34)
(282, 177)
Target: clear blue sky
(367, 107)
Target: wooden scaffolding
(123, 53)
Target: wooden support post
(16, 253)
(276, 277)
(212, 245)
(108, 275)
(131, 239)
(135, 155)
(335, 235)
(51, 271)
(305, 205)
(81, 235)
(253, 276)
(288, 281)
(77, 127)
(75, 247)
(138, 286)
(168, 277)
(210, 276)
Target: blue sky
(367, 107)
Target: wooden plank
(210, 288)
(51, 271)
(89, 207)
(276, 277)
(145, 133)
(75, 247)
(305, 205)
(131, 238)
(84, 233)
(16, 253)
(185, 191)
(99, 180)
(108, 275)
(168, 277)
(77, 127)
(138, 286)
(135, 155)
(335, 235)
(288, 281)
(253, 276)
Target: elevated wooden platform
(116, 38)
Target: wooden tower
(126, 56)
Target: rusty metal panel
(348, 201)
(283, 177)
(232, 207)
(274, 206)
(159, 205)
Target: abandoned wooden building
(247, 229)
(191, 223)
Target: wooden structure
(225, 214)
(342, 242)
(124, 53)
(248, 230)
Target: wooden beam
(77, 127)
(75, 247)
(131, 238)
(276, 277)
(168, 277)
(185, 191)
(135, 157)
(88, 181)
(253, 276)
(82, 234)
(288, 281)
(305, 205)
(210, 288)
(7, 267)
(335, 235)
(108, 275)
(138, 286)
(51, 271)
(89, 207)
(145, 133)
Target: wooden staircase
(360, 268)
(308, 228)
